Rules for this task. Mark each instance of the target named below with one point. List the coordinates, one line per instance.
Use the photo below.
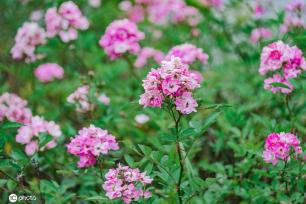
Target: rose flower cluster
(284, 62)
(126, 183)
(121, 36)
(65, 22)
(90, 143)
(172, 81)
(279, 145)
(188, 54)
(14, 109)
(28, 37)
(80, 97)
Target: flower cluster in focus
(48, 72)
(121, 36)
(65, 22)
(172, 81)
(90, 143)
(278, 146)
(126, 183)
(28, 36)
(284, 62)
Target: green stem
(283, 176)
(290, 112)
(131, 66)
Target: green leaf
(44, 139)
(278, 84)
(145, 149)
(129, 160)
(10, 125)
(93, 198)
(187, 133)
(168, 137)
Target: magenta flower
(90, 143)
(48, 72)
(278, 147)
(172, 81)
(28, 37)
(188, 54)
(126, 183)
(121, 36)
(65, 22)
(284, 62)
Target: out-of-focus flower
(90, 143)
(80, 97)
(121, 36)
(36, 15)
(278, 147)
(28, 37)
(65, 21)
(146, 53)
(218, 4)
(95, 3)
(284, 62)
(30, 132)
(295, 16)
(14, 108)
(259, 34)
(172, 81)
(188, 54)
(48, 72)
(104, 99)
(161, 12)
(127, 184)
(142, 118)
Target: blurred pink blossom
(28, 37)
(65, 21)
(48, 72)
